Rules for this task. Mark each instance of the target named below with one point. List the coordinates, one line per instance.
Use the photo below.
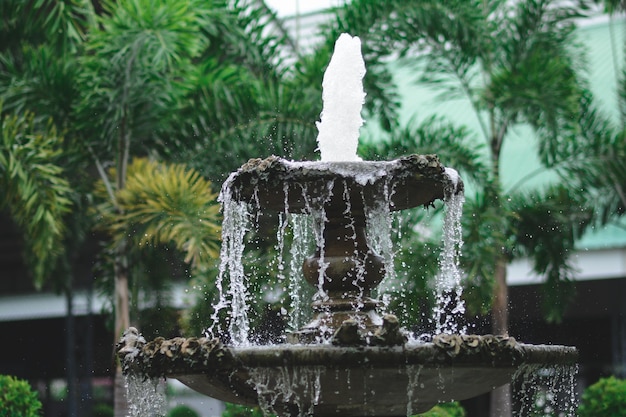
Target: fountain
(352, 358)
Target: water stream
(235, 225)
(545, 391)
(450, 307)
(146, 397)
(298, 386)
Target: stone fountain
(351, 359)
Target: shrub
(102, 410)
(17, 399)
(605, 398)
(236, 410)
(452, 409)
(182, 411)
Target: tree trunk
(500, 311)
(500, 405)
(122, 322)
(70, 354)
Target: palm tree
(514, 63)
(36, 68)
(136, 64)
(112, 95)
(163, 203)
(251, 96)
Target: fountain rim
(428, 164)
(181, 356)
(427, 354)
(409, 181)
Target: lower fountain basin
(327, 380)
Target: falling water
(299, 386)
(300, 246)
(413, 373)
(234, 228)
(450, 307)
(378, 229)
(546, 391)
(146, 397)
(315, 207)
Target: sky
(290, 7)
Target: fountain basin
(278, 184)
(327, 380)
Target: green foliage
(163, 203)
(182, 411)
(17, 399)
(34, 189)
(452, 409)
(547, 230)
(102, 410)
(593, 160)
(236, 410)
(159, 321)
(134, 74)
(197, 318)
(612, 6)
(62, 26)
(455, 145)
(201, 82)
(606, 398)
(513, 63)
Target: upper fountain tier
(281, 185)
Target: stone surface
(412, 181)
(342, 380)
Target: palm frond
(455, 145)
(591, 157)
(135, 72)
(156, 34)
(534, 77)
(547, 225)
(34, 190)
(44, 84)
(276, 118)
(241, 32)
(161, 204)
(60, 24)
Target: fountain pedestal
(346, 270)
(339, 195)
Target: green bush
(182, 411)
(452, 409)
(17, 399)
(605, 398)
(236, 410)
(102, 410)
